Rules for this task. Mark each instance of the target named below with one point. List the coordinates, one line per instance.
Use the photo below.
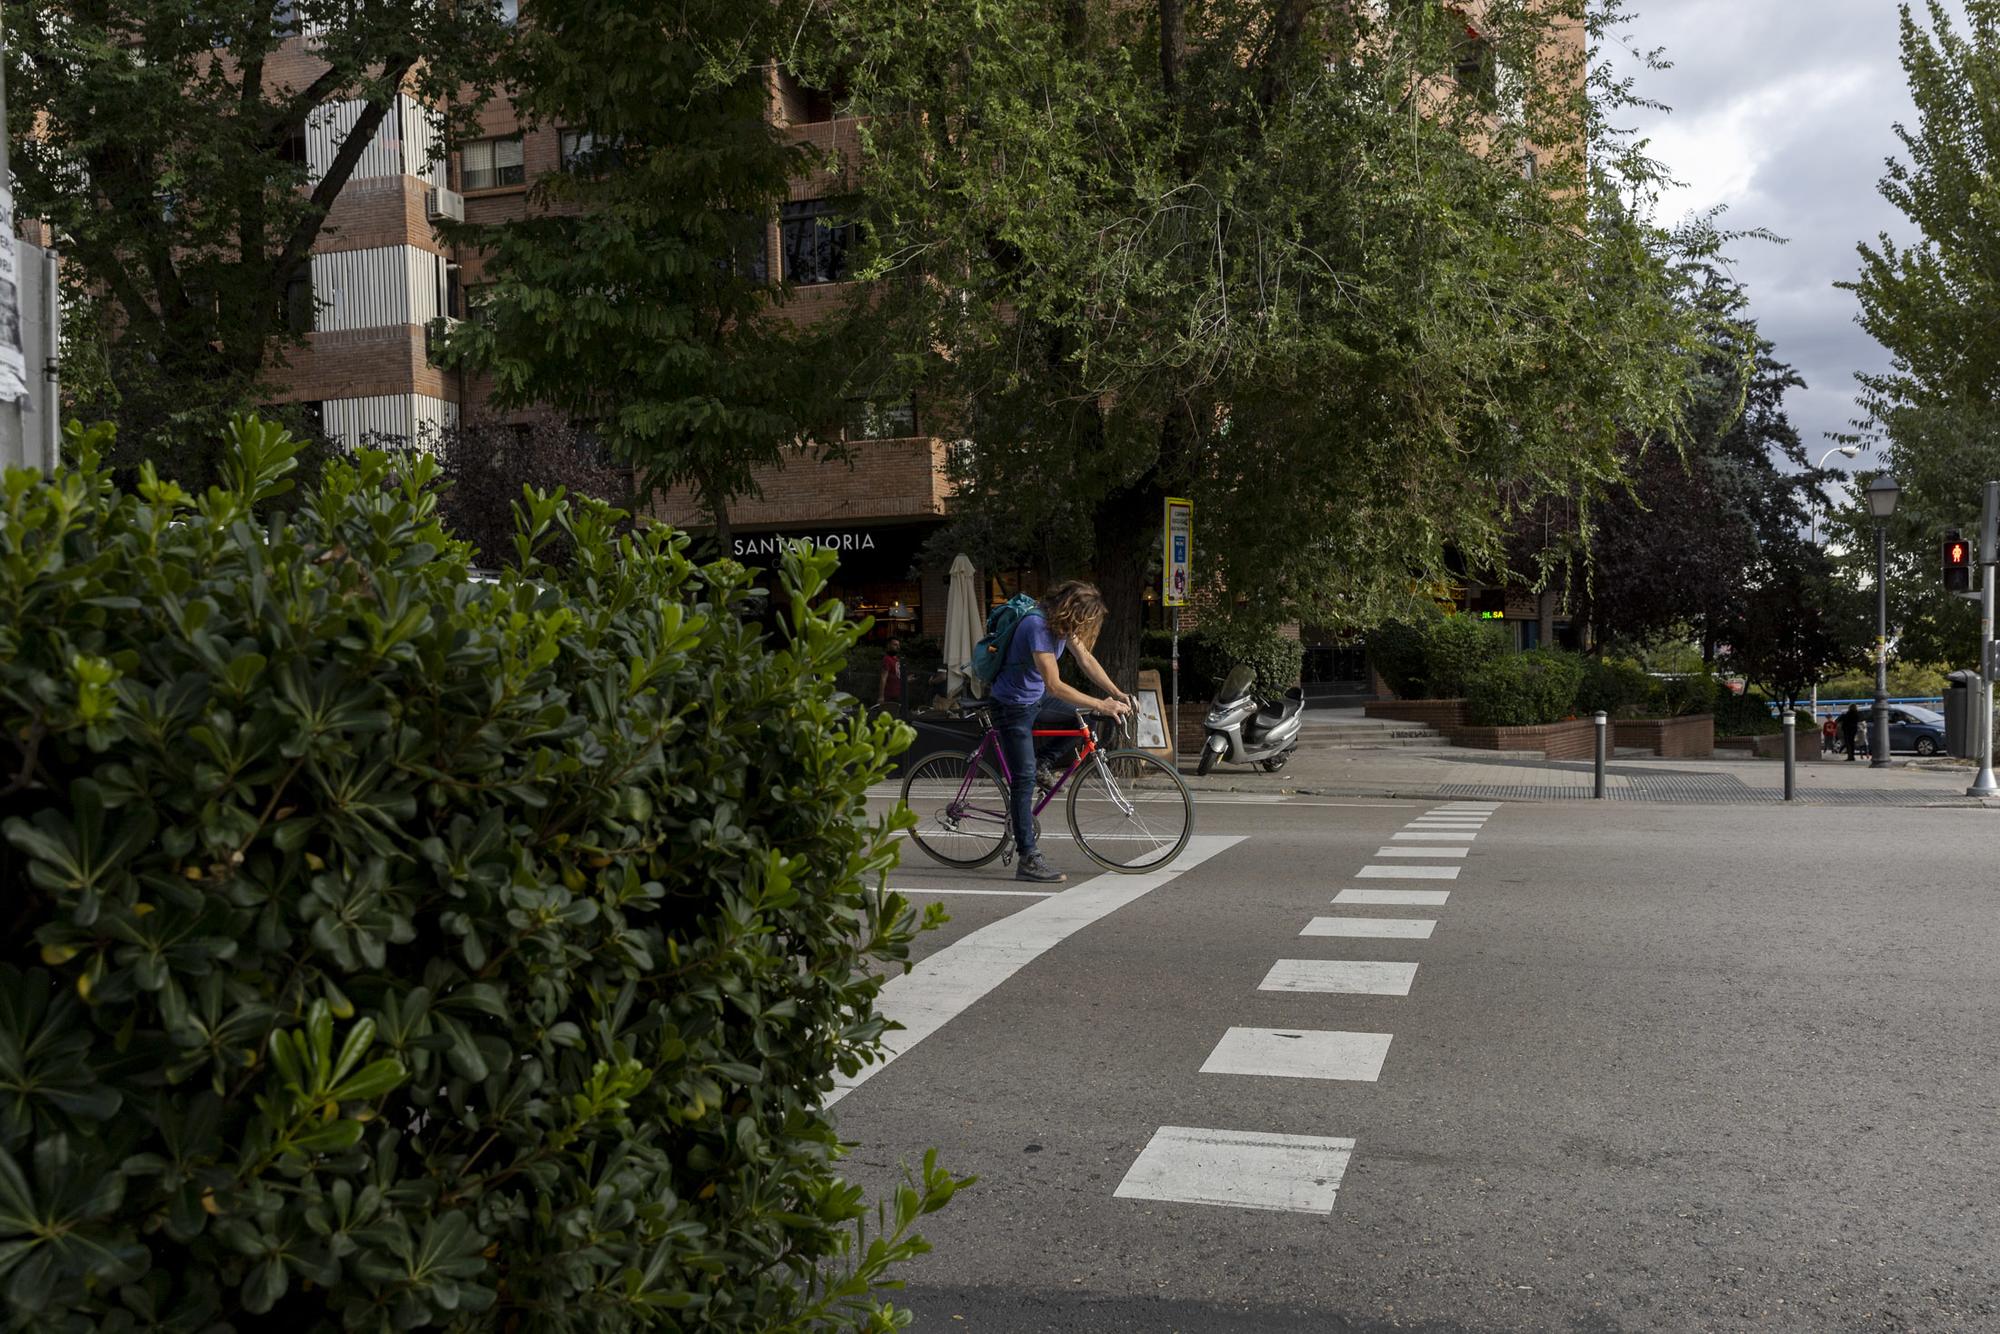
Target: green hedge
(392, 949)
(1435, 658)
(1525, 689)
(1618, 686)
(1207, 658)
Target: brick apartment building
(383, 286)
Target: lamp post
(1882, 495)
(1846, 452)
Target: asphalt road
(1657, 1068)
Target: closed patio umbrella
(962, 624)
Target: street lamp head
(1882, 496)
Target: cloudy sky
(1783, 110)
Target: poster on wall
(1151, 729)
(13, 362)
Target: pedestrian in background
(1850, 725)
(889, 686)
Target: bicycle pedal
(1007, 856)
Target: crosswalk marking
(1410, 898)
(1239, 1168)
(1299, 1053)
(997, 893)
(939, 988)
(1436, 837)
(1421, 852)
(1422, 823)
(1372, 928)
(1408, 873)
(1349, 977)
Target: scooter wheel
(1273, 765)
(1207, 762)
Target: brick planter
(1689, 738)
(1443, 714)
(1772, 747)
(1572, 740)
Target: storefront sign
(776, 544)
(1179, 555)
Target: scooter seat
(1290, 706)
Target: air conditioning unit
(440, 203)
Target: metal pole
(1175, 676)
(1983, 784)
(1597, 785)
(1791, 751)
(1878, 733)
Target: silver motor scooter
(1245, 730)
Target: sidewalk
(1324, 771)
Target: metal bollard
(1597, 789)
(1791, 753)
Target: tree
(484, 467)
(1360, 279)
(1936, 413)
(1796, 620)
(165, 142)
(634, 296)
(1709, 509)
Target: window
(586, 152)
(486, 164)
(881, 419)
(803, 104)
(749, 246)
(1476, 66)
(815, 246)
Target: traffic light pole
(1984, 784)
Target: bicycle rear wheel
(958, 823)
(1130, 811)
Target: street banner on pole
(1177, 569)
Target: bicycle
(1128, 811)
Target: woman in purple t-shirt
(1029, 692)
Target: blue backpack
(989, 655)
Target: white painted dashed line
(1446, 824)
(1407, 873)
(941, 987)
(1422, 852)
(1243, 1169)
(1372, 928)
(1299, 1053)
(996, 893)
(1346, 977)
(1409, 898)
(1433, 837)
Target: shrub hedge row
(393, 948)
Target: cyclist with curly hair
(1029, 692)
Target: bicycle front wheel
(1130, 811)
(959, 822)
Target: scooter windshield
(1237, 684)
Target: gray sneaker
(1035, 867)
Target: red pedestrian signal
(1957, 564)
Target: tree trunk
(718, 512)
(1127, 532)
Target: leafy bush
(1618, 686)
(1458, 651)
(1277, 659)
(1396, 650)
(392, 949)
(1678, 696)
(1525, 689)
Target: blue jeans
(1016, 724)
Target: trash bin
(1961, 710)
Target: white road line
(998, 893)
(1409, 898)
(1299, 1053)
(940, 987)
(1437, 838)
(1241, 1169)
(1372, 928)
(1347, 977)
(1407, 873)
(1422, 823)
(1422, 852)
